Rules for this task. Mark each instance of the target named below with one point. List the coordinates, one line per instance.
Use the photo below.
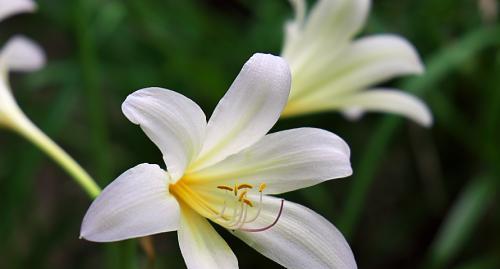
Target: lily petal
(300, 239)
(284, 161)
(136, 204)
(389, 100)
(21, 54)
(293, 28)
(337, 20)
(12, 7)
(330, 25)
(173, 122)
(249, 109)
(201, 245)
(368, 61)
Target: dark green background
(419, 198)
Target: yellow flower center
(228, 206)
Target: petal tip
(269, 63)
(130, 105)
(427, 120)
(14, 7)
(22, 54)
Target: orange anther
(248, 202)
(245, 186)
(242, 195)
(227, 188)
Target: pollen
(242, 195)
(224, 187)
(262, 187)
(248, 202)
(245, 186)
(241, 204)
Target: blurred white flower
(19, 54)
(22, 54)
(331, 71)
(13, 7)
(223, 171)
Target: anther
(262, 187)
(245, 186)
(223, 187)
(242, 195)
(248, 202)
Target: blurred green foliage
(419, 198)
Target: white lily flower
(331, 71)
(19, 54)
(23, 55)
(223, 172)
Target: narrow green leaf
(460, 222)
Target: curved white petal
(249, 109)
(300, 239)
(299, 8)
(366, 62)
(353, 113)
(284, 161)
(293, 27)
(374, 59)
(337, 20)
(391, 101)
(201, 245)
(21, 54)
(12, 7)
(330, 25)
(136, 204)
(172, 121)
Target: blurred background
(419, 198)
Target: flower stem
(28, 130)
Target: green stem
(28, 130)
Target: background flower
(22, 54)
(331, 71)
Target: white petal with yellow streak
(172, 121)
(250, 108)
(201, 246)
(284, 161)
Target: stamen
(248, 202)
(242, 195)
(241, 222)
(237, 218)
(221, 214)
(223, 187)
(267, 227)
(258, 211)
(245, 186)
(262, 187)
